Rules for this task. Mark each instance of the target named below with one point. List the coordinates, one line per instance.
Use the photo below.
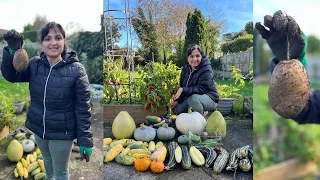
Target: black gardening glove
(14, 40)
(279, 27)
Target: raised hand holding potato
(289, 89)
(15, 41)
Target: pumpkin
(144, 133)
(192, 121)
(27, 145)
(123, 126)
(142, 163)
(216, 122)
(157, 166)
(165, 132)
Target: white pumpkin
(27, 145)
(193, 121)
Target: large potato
(289, 88)
(20, 60)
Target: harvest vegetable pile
(162, 143)
(23, 151)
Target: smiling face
(194, 59)
(53, 43)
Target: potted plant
(7, 116)
(19, 102)
(228, 92)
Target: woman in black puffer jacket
(197, 88)
(60, 94)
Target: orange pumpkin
(142, 163)
(157, 166)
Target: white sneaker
(205, 113)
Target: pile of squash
(28, 158)
(139, 147)
(144, 156)
(32, 165)
(141, 155)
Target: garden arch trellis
(110, 16)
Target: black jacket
(60, 97)
(311, 112)
(200, 81)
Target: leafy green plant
(229, 91)
(157, 84)
(7, 110)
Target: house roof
(2, 32)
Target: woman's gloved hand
(85, 152)
(280, 26)
(14, 40)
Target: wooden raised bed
(290, 169)
(136, 111)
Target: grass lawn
(21, 89)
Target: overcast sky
(305, 12)
(15, 14)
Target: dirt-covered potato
(20, 60)
(289, 88)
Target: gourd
(159, 154)
(125, 159)
(192, 121)
(113, 152)
(216, 122)
(245, 165)
(40, 176)
(152, 146)
(182, 139)
(165, 132)
(221, 161)
(210, 154)
(33, 166)
(144, 133)
(196, 156)
(14, 151)
(237, 154)
(123, 126)
(178, 154)
(106, 141)
(186, 160)
(28, 145)
(157, 166)
(172, 161)
(142, 163)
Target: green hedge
(241, 43)
(33, 35)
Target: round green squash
(183, 139)
(123, 126)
